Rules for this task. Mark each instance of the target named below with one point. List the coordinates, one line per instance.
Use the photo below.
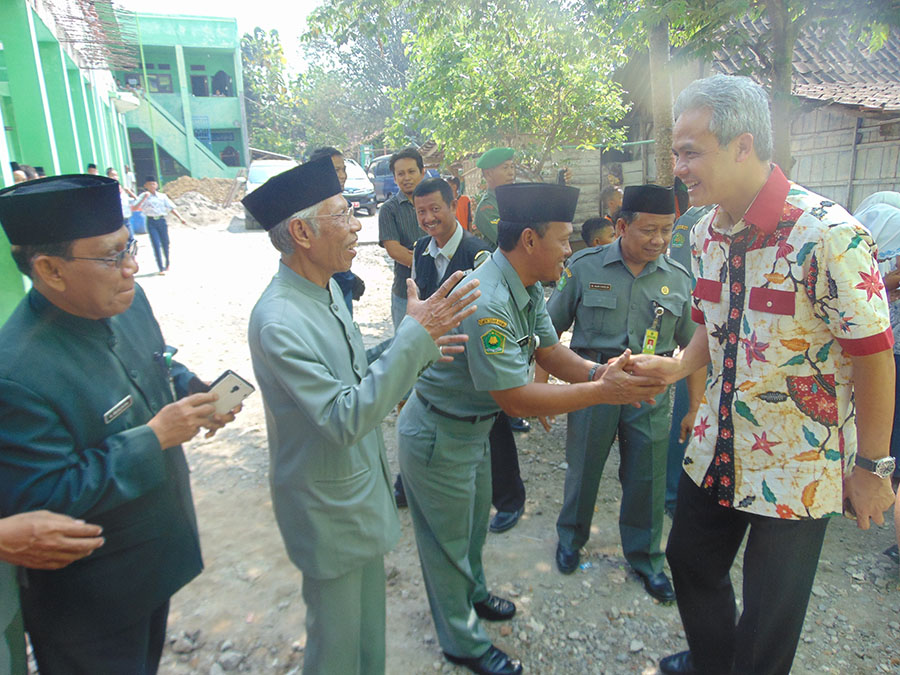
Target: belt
(602, 356)
(471, 419)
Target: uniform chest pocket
(599, 312)
(772, 301)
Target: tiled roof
(827, 68)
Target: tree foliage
(529, 73)
(272, 102)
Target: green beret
(494, 157)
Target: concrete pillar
(27, 86)
(87, 93)
(61, 113)
(186, 107)
(79, 105)
(11, 286)
(239, 92)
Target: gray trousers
(345, 622)
(446, 469)
(643, 445)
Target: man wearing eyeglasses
(89, 427)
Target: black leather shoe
(519, 424)
(492, 662)
(678, 664)
(495, 608)
(659, 586)
(505, 520)
(399, 493)
(566, 559)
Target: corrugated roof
(831, 69)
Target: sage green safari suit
(329, 473)
(612, 309)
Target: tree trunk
(784, 36)
(661, 96)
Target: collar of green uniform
(302, 284)
(614, 254)
(520, 294)
(50, 312)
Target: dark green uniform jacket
(64, 448)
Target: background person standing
(156, 205)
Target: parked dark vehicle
(379, 171)
(358, 190)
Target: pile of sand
(197, 209)
(214, 189)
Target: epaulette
(677, 265)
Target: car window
(354, 170)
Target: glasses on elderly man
(117, 260)
(342, 218)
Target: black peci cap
(536, 202)
(60, 208)
(648, 199)
(301, 187)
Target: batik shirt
(787, 296)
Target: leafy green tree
(532, 74)
(272, 102)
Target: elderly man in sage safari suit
(443, 430)
(324, 405)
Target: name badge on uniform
(118, 409)
(599, 287)
(651, 336)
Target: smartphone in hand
(232, 389)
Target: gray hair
(738, 105)
(280, 235)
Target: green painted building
(190, 86)
(60, 108)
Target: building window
(159, 84)
(148, 66)
(132, 81)
(164, 66)
(199, 85)
(222, 136)
(221, 84)
(230, 156)
(196, 67)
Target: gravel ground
(245, 612)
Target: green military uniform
(612, 310)
(444, 451)
(487, 217)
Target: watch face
(884, 467)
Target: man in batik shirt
(795, 325)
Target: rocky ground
(245, 612)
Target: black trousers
(506, 481)
(507, 488)
(779, 568)
(135, 649)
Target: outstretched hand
(445, 309)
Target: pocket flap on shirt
(674, 304)
(596, 298)
(707, 289)
(772, 301)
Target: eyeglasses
(117, 260)
(344, 218)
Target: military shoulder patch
(563, 279)
(493, 342)
(493, 321)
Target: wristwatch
(882, 468)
